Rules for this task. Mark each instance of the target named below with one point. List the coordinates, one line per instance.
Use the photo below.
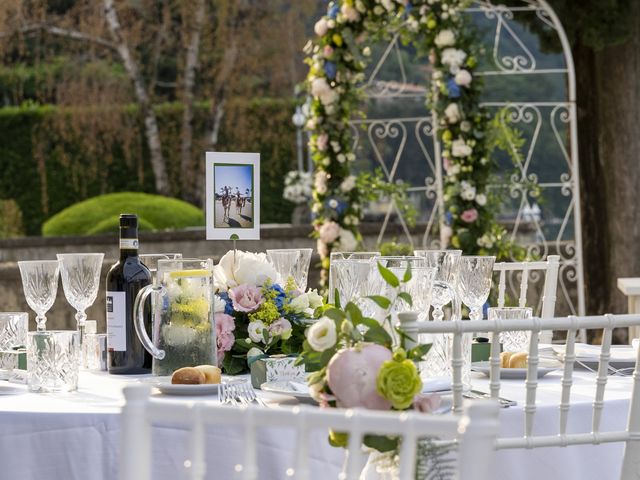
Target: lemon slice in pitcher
(189, 273)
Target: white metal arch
(556, 118)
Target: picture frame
(232, 196)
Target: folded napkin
(436, 384)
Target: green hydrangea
(267, 313)
(399, 381)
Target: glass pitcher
(183, 329)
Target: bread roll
(518, 360)
(211, 374)
(504, 359)
(188, 376)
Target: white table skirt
(76, 436)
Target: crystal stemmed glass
(474, 282)
(446, 264)
(292, 263)
(40, 285)
(512, 341)
(80, 281)
(348, 272)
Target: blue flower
(339, 206)
(448, 218)
(228, 305)
(453, 88)
(333, 11)
(281, 297)
(485, 309)
(330, 70)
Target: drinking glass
(446, 264)
(150, 261)
(348, 272)
(512, 341)
(474, 282)
(292, 263)
(13, 330)
(80, 281)
(40, 285)
(53, 357)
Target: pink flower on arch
(469, 216)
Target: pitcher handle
(138, 321)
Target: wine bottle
(125, 353)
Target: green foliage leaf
(406, 297)
(381, 443)
(336, 298)
(378, 335)
(382, 302)
(418, 352)
(353, 313)
(407, 274)
(388, 276)
(335, 314)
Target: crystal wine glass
(474, 282)
(80, 280)
(40, 285)
(348, 272)
(512, 341)
(446, 264)
(292, 263)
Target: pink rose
(352, 375)
(446, 163)
(469, 216)
(246, 298)
(322, 248)
(427, 402)
(322, 142)
(282, 326)
(224, 324)
(327, 51)
(329, 231)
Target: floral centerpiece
(356, 361)
(257, 313)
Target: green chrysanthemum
(399, 381)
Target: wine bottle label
(128, 244)
(116, 321)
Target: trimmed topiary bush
(101, 214)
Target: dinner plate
(510, 373)
(295, 389)
(167, 388)
(588, 356)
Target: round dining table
(77, 435)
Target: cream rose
(445, 38)
(321, 27)
(459, 148)
(348, 184)
(348, 242)
(463, 78)
(452, 112)
(245, 267)
(322, 335)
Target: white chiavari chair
(630, 436)
(474, 434)
(510, 274)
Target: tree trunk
(608, 99)
(188, 168)
(150, 121)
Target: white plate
(510, 373)
(588, 356)
(295, 389)
(167, 388)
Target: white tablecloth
(76, 436)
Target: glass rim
(289, 250)
(446, 250)
(54, 332)
(161, 255)
(79, 254)
(479, 256)
(31, 262)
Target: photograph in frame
(233, 196)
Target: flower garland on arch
(337, 58)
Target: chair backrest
(474, 434)
(572, 324)
(510, 273)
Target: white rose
(350, 13)
(468, 194)
(348, 242)
(321, 27)
(320, 182)
(366, 51)
(254, 329)
(319, 86)
(300, 303)
(460, 149)
(322, 335)
(315, 299)
(463, 78)
(218, 304)
(348, 183)
(445, 38)
(245, 267)
(452, 113)
(453, 57)
(481, 199)
(465, 126)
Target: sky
(233, 176)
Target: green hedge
(47, 169)
(101, 214)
